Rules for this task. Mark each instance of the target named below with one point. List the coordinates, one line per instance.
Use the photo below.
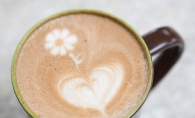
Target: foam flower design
(60, 41)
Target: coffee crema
(81, 65)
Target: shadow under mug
(164, 42)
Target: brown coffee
(81, 65)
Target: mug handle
(169, 45)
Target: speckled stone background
(174, 97)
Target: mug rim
(77, 11)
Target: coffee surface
(81, 65)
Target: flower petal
(55, 50)
(71, 39)
(62, 51)
(56, 33)
(49, 45)
(69, 46)
(50, 38)
(64, 33)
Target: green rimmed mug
(169, 53)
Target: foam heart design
(103, 84)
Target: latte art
(59, 41)
(103, 84)
(81, 65)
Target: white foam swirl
(104, 82)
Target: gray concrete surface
(175, 95)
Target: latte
(81, 65)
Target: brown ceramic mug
(163, 41)
(166, 42)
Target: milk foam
(65, 44)
(81, 65)
(103, 84)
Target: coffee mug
(88, 63)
